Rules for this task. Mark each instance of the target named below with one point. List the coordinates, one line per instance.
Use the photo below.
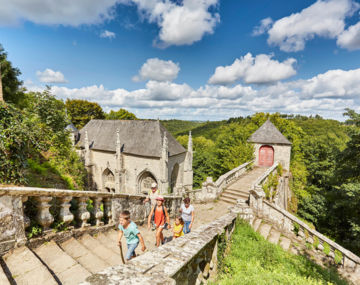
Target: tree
(121, 114)
(82, 111)
(13, 93)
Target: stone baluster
(65, 215)
(82, 214)
(107, 210)
(43, 217)
(97, 211)
(26, 218)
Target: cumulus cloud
(264, 26)
(65, 12)
(158, 70)
(107, 34)
(350, 38)
(181, 22)
(326, 94)
(50, 76)
(260, 69)
(324, 18)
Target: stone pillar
(82, 214)
(118, 169)
(188, 171)
(97, 211)
(43, 217)
(108, 210)
(164, 166)
(65, 215)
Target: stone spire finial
(118, 143)
(190, 144)
(87, 149)
(1, 89)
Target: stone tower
(270, 146)
(188, 171)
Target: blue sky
(191, 59)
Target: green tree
(82, 111)
(121, 114)
(12, 91)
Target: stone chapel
(271, 145)
(127, 156)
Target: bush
(326, 248)
(316, 242)
(338, 256)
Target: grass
(253, 260)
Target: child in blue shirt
(132, 235)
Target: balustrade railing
(263, 178)
(79, 209)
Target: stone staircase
(296, 245)
(68, 262)
(241, 187)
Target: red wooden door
(266, 156)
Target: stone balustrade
(191, 259)
(287, 222)
(80, 209)
(211, 190)
(263, 178)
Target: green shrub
(308, 245)
(326, 248)
(34, 231)
(296, 228)
(338, 256)
(316, 242)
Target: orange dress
(159, 218)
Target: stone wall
(106, 209)
(281, 153)
(191, 259)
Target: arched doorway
(174, 177)
(145, 181)
(108, 180)
(266, 155)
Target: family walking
(158, 219)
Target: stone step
(108, 242)
(264, 230)
(112, 235)
(285, 243)
(237, 192)
(66, 269)
(3, 278)
(274, 236)
(27, 269)
(227, 200)
(113, 258)
(256, 224)
(85, 257)
(234, 197)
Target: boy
(130, 231)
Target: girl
(187, 214)
(178, 227)
(161, 219)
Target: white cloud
(324, 18)
(259, 69)
(326, 94)
(157, 69)
(264, 26)
(50, 76)
(65, 12)
(180, 23)
(350, 38)
(108, 34)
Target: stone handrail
(287, 222)
(262, 179)
(230, 176)
(106, 208)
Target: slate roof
(143, 138)
(70, 127)
(268, 133)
